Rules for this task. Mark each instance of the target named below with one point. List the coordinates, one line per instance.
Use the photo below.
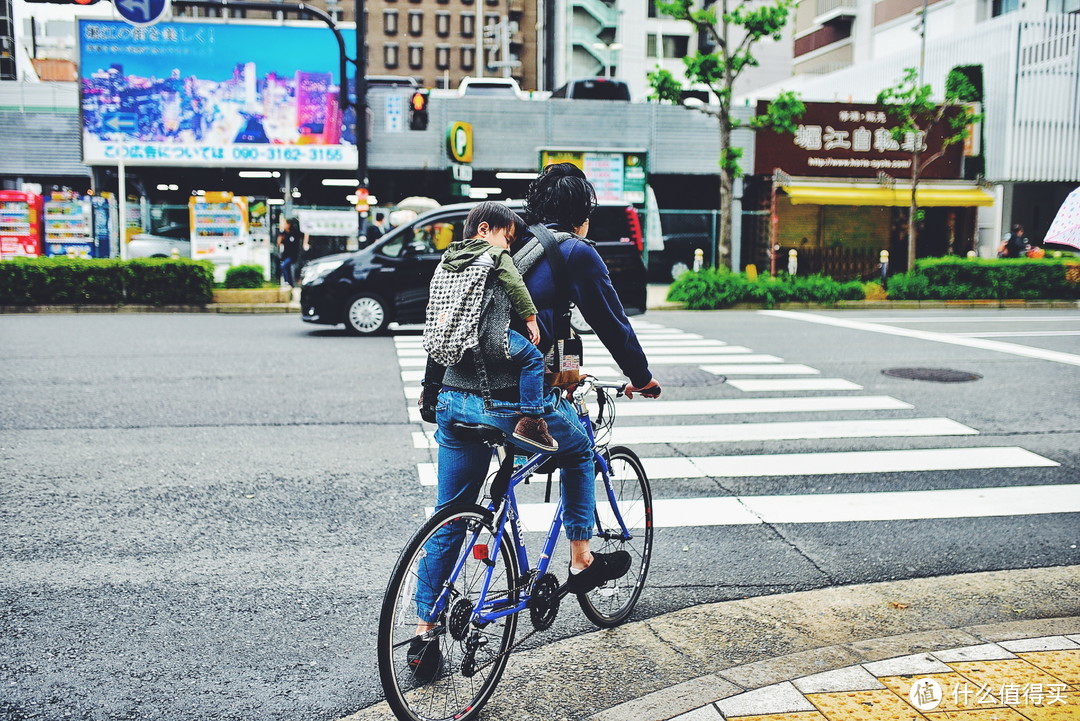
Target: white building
(1029, 63)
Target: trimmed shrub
(709, 289)
(46, 281)
(244, 276)
(954, 278)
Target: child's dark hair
(496, 215)
(562, 195)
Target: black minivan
(388, 281)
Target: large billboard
(850, 140)
(212, 94)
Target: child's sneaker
(534, 431)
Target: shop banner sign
(617, 175)
(212, 94)
(851, 140)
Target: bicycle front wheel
(468, 658)
(627, 490)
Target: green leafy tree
(734, 28)
(912, 105)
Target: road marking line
(416, 362)
(782, 431)
(794, 384)
(666, 349)
(842, 507)
(789, 369)
(1019, 334)
(831, 463)
(748, 406)
(991, 345)
(975, 319)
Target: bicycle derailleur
(544, 602)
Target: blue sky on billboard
(208, 51)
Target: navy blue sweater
(591, 291)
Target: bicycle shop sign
(852, 140)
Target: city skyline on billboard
(212, 94)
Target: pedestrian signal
(418, 111)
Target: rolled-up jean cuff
(579, 533)
(534, 410)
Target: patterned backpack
(455, 304)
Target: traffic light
(418, 110)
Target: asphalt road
(200, 511)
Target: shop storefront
(838, 192)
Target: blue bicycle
(489, 580)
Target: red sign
(851, 140)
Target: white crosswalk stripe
(762, 373)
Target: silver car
(161, 243)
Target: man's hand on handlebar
(650, 390)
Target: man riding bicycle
(562, 199)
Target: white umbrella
(1066, 226)
(417, 204)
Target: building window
(416, 22)
(442, 24)
(493, 3)
(466, 2)
(389, 18)
(442, 57)
(1002, 7)
(468, 25)
(416, 56)
(468, 56)
(390, 55)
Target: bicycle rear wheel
(465, 679)
(612, 603)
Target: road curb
(669, 665)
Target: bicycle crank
(544, 602)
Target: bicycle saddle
(480, 432)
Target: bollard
(884, 260)
(971, 254)
(793, 262)
(751, 272)
(175, 254)
(699, 259)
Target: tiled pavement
(1031, 679)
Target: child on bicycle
(455, 307)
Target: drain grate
(679, 376)
(935, 375)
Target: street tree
(919, 115)
(733, 28)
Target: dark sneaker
(534, 432)
(605, 567)
(425, 658)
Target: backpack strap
(559, 274)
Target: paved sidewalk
(1001, 645)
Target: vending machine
(20, 224)
(104, 226)
(69, 226)
(219, 230)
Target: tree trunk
(722, 257)
(913, 211)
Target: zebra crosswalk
(683, 425)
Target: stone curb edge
(704, 690)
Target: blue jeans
(286, 270)
(531, 361)
(463, 466)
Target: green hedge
(955, 278)
(145, 281)
(244, 276)
(709, 288)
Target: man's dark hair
(496, 215)
(562, 195)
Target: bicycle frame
(507, 515)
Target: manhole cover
(936, 375)
(688, 377)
